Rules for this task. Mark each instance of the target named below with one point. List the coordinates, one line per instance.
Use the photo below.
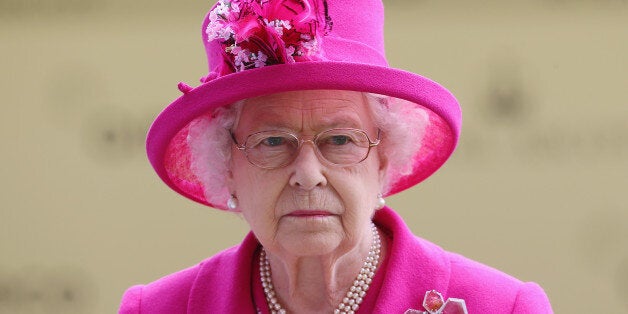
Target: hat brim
(319, 75)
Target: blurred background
(537, 187)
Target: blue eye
(274, 141)
(339, 139)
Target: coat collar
(223, 283)
(414, 267)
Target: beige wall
(537, 187)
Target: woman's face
(308, 207)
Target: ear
(383, 169)
(230, 180)
(230, 183)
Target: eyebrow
(342, 120)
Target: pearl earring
(381, 202)
(232, 203)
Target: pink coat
(222, 283)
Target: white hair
(402, 126)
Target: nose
(307, 170)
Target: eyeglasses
(276, 149)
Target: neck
(316, 284)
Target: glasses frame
(300, 141)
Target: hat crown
(246, 34)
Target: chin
(310, 243)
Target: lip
(310, 213)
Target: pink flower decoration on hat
(257, 33)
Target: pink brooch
(257, 33)
(434, 303)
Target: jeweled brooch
(433, 303)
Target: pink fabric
(352, 58)
(222, 284)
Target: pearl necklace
(351, 302)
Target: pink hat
(260, 47)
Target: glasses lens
(343, 147)
(271, 149)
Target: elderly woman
(302, 128)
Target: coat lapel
(223, 284)
(414, 267)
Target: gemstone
(455, 306)
(433, 301)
